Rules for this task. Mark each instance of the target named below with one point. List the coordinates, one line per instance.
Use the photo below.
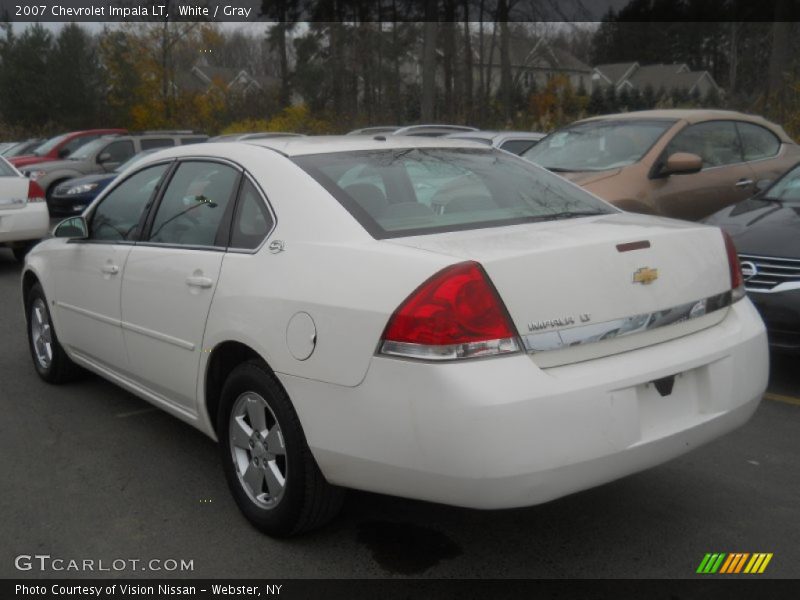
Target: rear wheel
(51, 362)
(271, 472)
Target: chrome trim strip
(750, 257)
(596, 332)
(90, 314)
(161, 337)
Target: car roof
(693, 115)
(322, 144)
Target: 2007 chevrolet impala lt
(427, 318)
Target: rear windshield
(6, 170)
(413, 191)
(597, 145)
(49, 145)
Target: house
(203, 77)
(533, 63)
(632, 75)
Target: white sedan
(24, 219)
(500, 340)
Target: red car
(61, 146)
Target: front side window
(117, 216)
(716, 142)
(757, 141)
(786, 189)
(597, 145)
(119, 151)
(194, 204)
(430, 190)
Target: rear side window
(117, 216)
(716, 142)
(517, 146)
(757, 141)
(195, 204)
(6, 170)
(252, 221)
(411, 191)
(77, 142)
(149, 144)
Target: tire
(49, 359)
(255, 464)
(20, 252)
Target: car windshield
(19, 150)
(133, 159)
(413, 191)
(49, 145)
(597, 145)
(787, 189)
(88, 150)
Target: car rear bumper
(501, 433)
(24, 224)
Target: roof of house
(613, 72)
(531, 53)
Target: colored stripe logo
(734, 563)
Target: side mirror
(74, 228)
(682, 163)
(64, 153)
(104, 157)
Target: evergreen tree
(636, 100)
(694, 97)
(712, 99)
(596, 104)
(611, 101)
(649, 97)
(25, 90)
(624, 100)
(74, 67)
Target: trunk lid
(13, 193)
(573, 295)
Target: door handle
(110, 269)
(743, 183)
(199, 281)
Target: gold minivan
(685, 164)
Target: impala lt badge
(559, 323)
(645, 276)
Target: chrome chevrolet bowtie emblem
(645, 276)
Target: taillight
(35, 192)
(737, 281)
(457, 313)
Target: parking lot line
(781, 398)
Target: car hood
(98, 178)
(584, 178)
(57, 165)
(762, 227)
(24, 161)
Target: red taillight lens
(35, 192)
(737, 282)
(455, 314)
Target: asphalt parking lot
(91, 472)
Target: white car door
(170, 278)
(88, 273)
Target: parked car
(766, 232)
(23, 212)
(22, 148)
(6, 145)
(431, 130)
(336, 335)
(61, 146)
(74, 195)
(515, 142)
(103, 155)
(258, 135)
(374, 130)
(677, 163)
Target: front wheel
(269, 468)
(49, 358)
